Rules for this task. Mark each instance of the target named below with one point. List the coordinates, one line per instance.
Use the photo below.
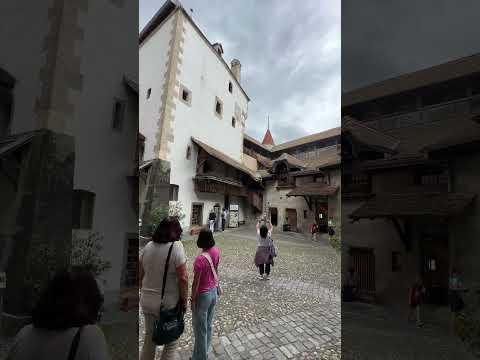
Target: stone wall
(36, 228)
(157, 189)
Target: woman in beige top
(64, 322)
(152, 267)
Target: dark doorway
(321, 216)
(227, 202)
(435, 260)
(363, 264)
(274, 216)
(291, 217)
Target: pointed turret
(268, 138)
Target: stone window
(173, 192)
(189, 152)
(234, 122)
(230, 87)
(131, 262)
(149, 92)
(83, 207)
(185, 95)
(197, 214)
(118, 114)
(218, 107)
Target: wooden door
(435, 258)
(291, 215)
(363, 263)
(273, 216)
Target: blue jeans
(202, 319)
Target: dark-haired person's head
(71, 299)
(263, 231)
(168, 230)
(205, 240)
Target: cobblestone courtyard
(295, 315)
(373, 333)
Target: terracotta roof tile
(268, 138)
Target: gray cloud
(290, 55)
(383, 39)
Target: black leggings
(264, 268)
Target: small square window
(189, 152)
(149, 92)
(230, 87)
(185, 95)
(234, 122)
(218, 107)
(118, 114)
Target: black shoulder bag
(74, 346)
(170, 323)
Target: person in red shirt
(205, 292)
(416, 296)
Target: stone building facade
(409, 201)
(302, 179)
(49, 85)
(188, 96)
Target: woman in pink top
(204, 293)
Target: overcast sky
(290, 55)
(383, 39)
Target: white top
(153, 259)
(40, 344)
(267, 241)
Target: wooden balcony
(218, 185)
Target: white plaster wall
(153, 58)
(105, 157)
(21, 56)
(206, 77)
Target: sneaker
(267, 277)
(260, 277)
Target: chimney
(218, 48)
(236, 68)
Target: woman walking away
(64, 322)
(264, 255)
(417, 293)
(205, 291)
(152, 269)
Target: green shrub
(175, 209)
